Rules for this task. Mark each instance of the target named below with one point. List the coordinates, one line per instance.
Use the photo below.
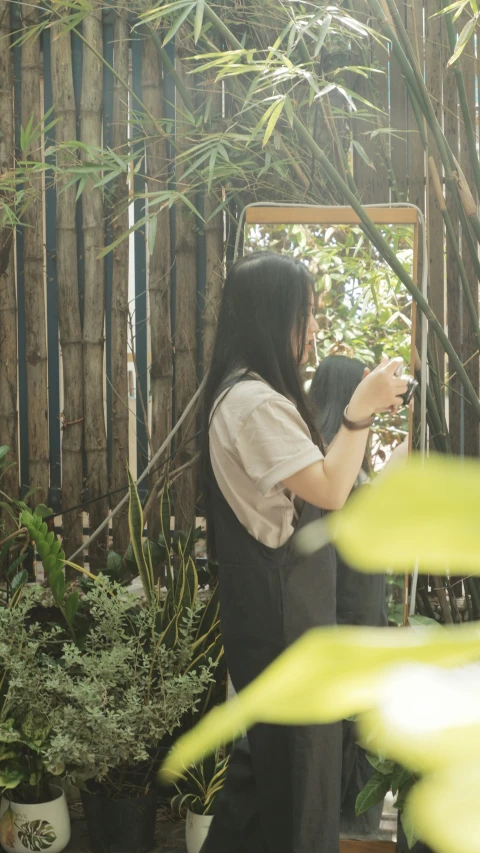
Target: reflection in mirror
(363, 312)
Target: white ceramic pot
(196, 830)
(37, 827)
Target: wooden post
(69, 319)
(159, 266)
(398, 122)
(186, 306)
(214, 240)
(8, 296)
(94, 314)
(34, 271)
(119, 307)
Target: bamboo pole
(34, 271)
(8, 296)
(119, 306)
(69, 318)
(91, 105)
(186, 305)
(469, 164)
(159, 265)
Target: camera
(411, 383)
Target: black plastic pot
(120, 826)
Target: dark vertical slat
(201, 286)
(22, 364)
(140, 284)
(107, 143)
(52, 310)
(470, 346)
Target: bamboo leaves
(463, 40)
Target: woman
(361, 598)
(265, 476)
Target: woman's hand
(379, 391)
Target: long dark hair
(333, 384)
(265, 306)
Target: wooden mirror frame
(290, 214)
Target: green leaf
(199, 11)
(363, 154)
(56, 581)
(4, 449)
(272, 121)
(135, 523)
(289, 109)
(322, 34)
(382, 765)
(165, 525)
(462, 41)
(50, 563)
(374, 792)
(409, 830)
(72, 604)
(400, 777)
(423, 622)
(114, 562)
(178, 23)
(327, 675)
(43, 550)
(19, 579)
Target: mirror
(363, 312)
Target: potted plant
(119, 674)
(196, 797)
(33, 811)
(391, 776)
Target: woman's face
(312, 329)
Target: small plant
(201, 784)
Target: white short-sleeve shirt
(257, 440)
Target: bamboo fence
(111, 348)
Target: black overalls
(282, 793)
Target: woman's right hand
(379, 391)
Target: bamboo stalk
(462, 97)
(8, 296)
(34, 272)
(159, 264)
(119, 306)
(186, 306)
(471, 333)
(91, 106)
(69, 318)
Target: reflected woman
(361, 598)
